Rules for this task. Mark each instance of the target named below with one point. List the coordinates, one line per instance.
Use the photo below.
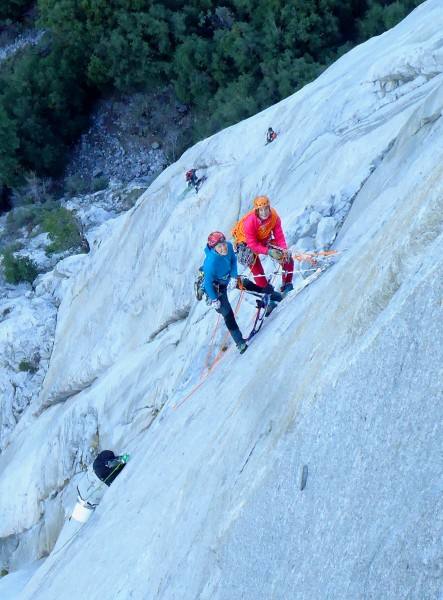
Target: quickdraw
(199, 285)
(245, 256)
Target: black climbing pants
(226, 309)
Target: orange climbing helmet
(261, 202)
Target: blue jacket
(218, 269)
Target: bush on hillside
(35, 190)
(99, 184)
(30, 216)
(63, 229)
(31, 365)
(18, 269)
(76, 185)
(382, 16)
(23, 216)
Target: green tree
(66, 20)
(9, 144)
(14, 9)
(382, 15)
(193, 80)
(130, 49)
(236, 53)
(42, 96)
(227, 61)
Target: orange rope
(190, 393)
(217, 358)
(310, 256)
(220, 355)
(211, 346)
(221, 351)
(300, 256)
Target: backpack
(238, 232)
(101, 468)
(189, 173)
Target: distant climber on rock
(270, 136)
(260, 232)
(104, 470)
(107, 466)
(192, 179)
(220, 276)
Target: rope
(190, 393)
(310, 256)
(101, 484)
(221, 353)
(210, 346)
(75, 533)
(301, 271)
(300, 256)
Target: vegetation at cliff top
(227, 62)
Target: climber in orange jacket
(262, 232)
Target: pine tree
(9, 144)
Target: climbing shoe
(270, 308)
(286, 288)
(276, 297)
(242, 347)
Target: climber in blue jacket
(220, 276)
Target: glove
(115, 462)
(232, 285)
(124, 458)
(215, 304)
(275, 254)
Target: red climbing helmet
(215, 238)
